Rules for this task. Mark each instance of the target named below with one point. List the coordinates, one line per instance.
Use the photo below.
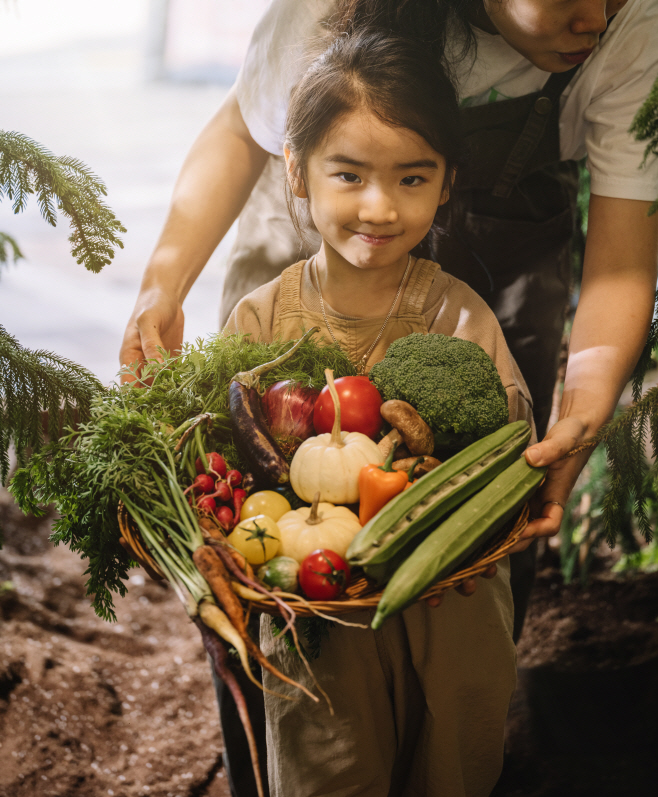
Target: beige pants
(420, 705)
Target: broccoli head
(453, 383)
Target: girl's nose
(377, 208)
(590, 16)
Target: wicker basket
(363, 593)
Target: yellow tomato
(265, 502)
(257, 538)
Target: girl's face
(373, 190)
(554, 35)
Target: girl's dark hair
(388, 75)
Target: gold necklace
(363, 362)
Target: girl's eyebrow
(425, 163)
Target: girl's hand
(467, 587)
(547, 505)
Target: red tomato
(359, 407)
(323, 575)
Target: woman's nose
(590, 16)
(378, 207)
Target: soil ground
(89, 708)
(584, 719)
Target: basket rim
(362, 593)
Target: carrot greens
(139, 443)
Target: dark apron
(509, 237)
(512, 218)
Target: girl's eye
(348, 177)
(412, 180)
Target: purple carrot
(287, 612)
(219, 657)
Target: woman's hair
(428, 22)
(387, 75)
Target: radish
(239, 497)
(223, 492)
(206, 504)
(233, 477)
(215, 465)
(224, 515)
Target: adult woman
(615, 304)
(518, 42)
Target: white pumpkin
(321, 525)
(330, 463)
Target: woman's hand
(547, 505)
(156, 323)
(217, 177)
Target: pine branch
(32, 382)
(645, 128)
(9, 251)
(630, 474)
(65, 184)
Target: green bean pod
(385, 541)
(458, 536)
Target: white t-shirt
(597, 107)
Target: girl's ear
(294, 180)
(445, 194)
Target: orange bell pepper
(377, 485)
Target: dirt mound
(91, 708)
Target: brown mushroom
(416, 434)
(391, 441)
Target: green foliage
(645, 128)
(583, 528)
(632, 480)
(9, 250)
(117, 454)
(453, 383)
(34, 382)
(66, 184)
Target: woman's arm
(215, 181)
(610, 327)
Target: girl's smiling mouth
(375, 240)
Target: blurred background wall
(125, 86)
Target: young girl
(372, 145)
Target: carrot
(215, 618)
(240, 560)
(219, 657)
(287, 612)
(212, 568)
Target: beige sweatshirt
(432, 301)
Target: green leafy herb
(126, 449)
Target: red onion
(288, 409)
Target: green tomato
(280, 572)
(265, 502)
(257, 538)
